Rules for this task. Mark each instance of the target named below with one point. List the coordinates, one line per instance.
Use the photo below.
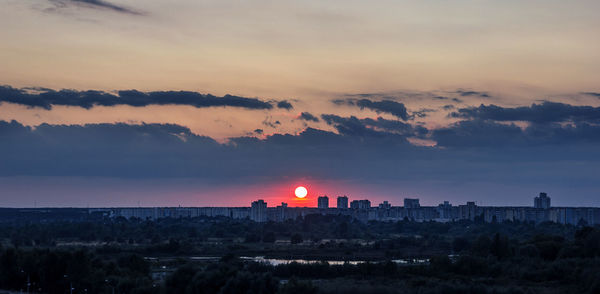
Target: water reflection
(278, 261)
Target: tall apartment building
(281, 216)
(323, 202)
(411, 203)
(468, 211)
(542, 201)
(360, 204)
(342, 202)
(385, 205)
(258, 211)
(445, 210)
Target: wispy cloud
(96, 4)
(592, 94)
(387, 106)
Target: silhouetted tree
(460, 244)
(269, 237)
(296, 239)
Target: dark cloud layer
(384, 106)
(537, 113)
(46, 98)
(164, 150)
(490, 134)
(468, 151)
(362, 151)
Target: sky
(219, 103)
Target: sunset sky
(218, 103)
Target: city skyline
(343, 201)
(364, 211)
(164, 197)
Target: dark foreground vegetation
(135, 256)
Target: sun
(301, 192)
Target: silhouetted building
(411, 203)
(445, 210)
(364, 204)
(360, 204)
(385, 205)
(342, 202)
(542, 201)
(258, 211)
(323, 202)
(361, 210)
(468, 211)
(281, 212)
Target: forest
(163, 256)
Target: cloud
(477, 133)
(421, 113)
(468, 93)
(446, 98)
(597, 95)
(46, 98)
(166, 150)
(308, 117)
(268, 121)
(387, 106)
(473, 152)
(352, 126)
(500, 136)
(384, 106)
(537, 113)
(285, 105)
(99, 149)
(96, 4)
